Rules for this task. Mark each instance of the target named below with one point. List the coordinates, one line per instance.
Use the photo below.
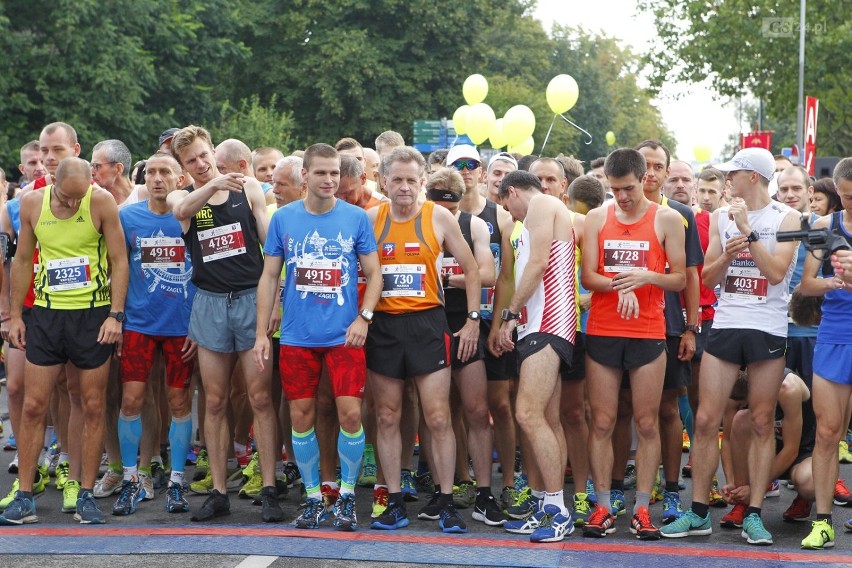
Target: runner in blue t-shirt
(321, 238)
(159, 301)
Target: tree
(255, 124)
(752, 46)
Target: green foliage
(746, 49)
(255, 124)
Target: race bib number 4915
(319, 275)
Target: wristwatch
(474, 315)
(367, 315)
(753, 236)
(119, 316)
(506, 315)
(693, 328)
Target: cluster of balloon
(477, 120)
(610, 138)
(702, 153)
(562, 94)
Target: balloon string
(453, 143)
(589, 141)
(547, 136)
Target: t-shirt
(160, 293)
(320, 252)
(675, 324)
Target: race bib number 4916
(222, 242)
(162, 252)
(68, 273)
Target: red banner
(811, 113)
(758, 139)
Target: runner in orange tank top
(625, 250)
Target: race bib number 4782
(222, 242)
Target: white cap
(505, 156)
(751, 159)
(464, 152)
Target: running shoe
(409, 491)
(657, 490)
(291, 474)
(41, 481)
(464, 494)
(432, 510)
(87, 511)
(524, 506)
(590, 491)
(345, 518)
(842, 496)
(131, 494)
(11, 445)
(147, 486)
(642, 527)
(70, 494)
(202, 465)
(330, 495)
(205, 486)
(844, 455)
(451, 521)
(557, 529)
(799, 510)
(582, 509)
(508, 497)
(773, 489)
(54, 461)
(423, 482)
(243, 458)
(630, 477)
(754, 532)
(689, 524)
(216, 505)
(686, 442)
(252, 487)
(13, 492)
(520, 481)
(716, 499)
(369, 471)
(537, 520)
(271, 511)
(62, 471)
(380, 501)
(822, 536)
(175, 500)
(20, 511)
(394, 517)
(487, 511)
(600, 523)
(734, 518)
(616, 502)
(191, 456)
(13, 465)
(159, 477)
(686, 471)
(672, 508)
(109, 484)
(104, 464)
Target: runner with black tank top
(224, 222)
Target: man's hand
(233, 181)
(111, 333)
(628, 305)
(274, 320)
(356, 333)
(504, 341)
(686, 349)
(738, 213)
(631, 280)
(17, 332)
(261, 350)
(468, 338)
(735, 245)
(188, 351)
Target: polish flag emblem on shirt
(412, 248)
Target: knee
(647, 426)
(94, 406)
(350, 420)
(828, 431)
(179, 402)
(477, 414)
(762, 424)
(669, 409)
(34, 407)
(500, 409)
(131, 405)
(325, 403)
(216, 404)
(705, 424)
(438, 420)
(260, 400)
(574, 415)
(387, 417)
(602, 425)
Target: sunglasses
(462, 164)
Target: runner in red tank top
(626, 246)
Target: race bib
(745, 285)
(362, 278)
(522, 321)
(450, 266)
(222, 242)
(486, 300)
(624, 256)
(319, 275)
(404, 280)
(68, 273)
(163, 252)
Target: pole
(800, 111)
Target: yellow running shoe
(822, 536)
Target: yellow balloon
(475, 89)
(480, 123)
(562, 93)
(525, 148)
(518, 124)
(498, 136)
(702, 153)
(610, 138)
(460, 119)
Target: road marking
(256, 561)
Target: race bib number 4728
(624, 256)
(222, 242)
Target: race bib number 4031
(68, 273)
(222, 242)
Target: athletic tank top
(455, 299)
(224, 246)
(410, 257)
(72, 272)
(837, 304)
(489, 215)
(748, 301)
(622, 248)
(552, 306)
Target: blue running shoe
(175, 501)
(754, 532)
(11, 444)
(20, 511)
(394, 517)
(312, 515)
(590, 492)
(131, 495)
(344, 513)
(530, 524)
(689, 524)
(88, 512)
(451, 521)
(582, 509)
(672, 507)
(524, 506)
(559, 527)
(409, 491)
(616, 501)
